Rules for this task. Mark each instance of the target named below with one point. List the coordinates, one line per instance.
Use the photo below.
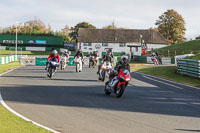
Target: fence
(7, 59)
(189, 67)
(172, 53)
(146, 59)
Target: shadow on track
(186, 130)
(135, 99)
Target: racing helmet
(66, 51)
(55, 52)
(124, 59)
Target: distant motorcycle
(64, 62)
(78, 63)
(52, 67)
(117, 84)
(92, 61)
(155, 60)
(105, 71)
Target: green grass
(168, 72)
(9, 123)
(6, 67)
(29, 53)
(196, 57)
(181, 48)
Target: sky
(133, 14)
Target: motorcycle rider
(54, 55)
(80, 54)
(65, 54)
(122, 64)
(106, 57)
(153, 56)
(95, 54)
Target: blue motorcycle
(52, 67)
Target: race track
(73, 102)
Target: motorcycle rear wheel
(120, 91)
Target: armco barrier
(7, 59)
(189, 67)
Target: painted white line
(8, 71)
(167, 80)
(162, 82)
(21, 116)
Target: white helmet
(66, 51)
(55, 52)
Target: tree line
(170, 24)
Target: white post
(16, 42)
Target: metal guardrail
(189, 67)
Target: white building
(119, 40)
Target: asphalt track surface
(75, 102)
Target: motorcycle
(117, 84)
(52, 67)
(64, 62)
(105, 71)
(155, 60)
(92, 61)
(78, 63)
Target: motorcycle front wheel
(105, 89)
(50, 72)
(103, 75)
(120, 91)
(77, 68)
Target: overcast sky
(135, 14)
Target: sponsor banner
(40, 42)
(31, 42)
(35, 49)
(2, 47)
(13, 41)
(68, 44)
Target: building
(120, 40)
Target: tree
(75, 29)
(112, 26)
(172, 26)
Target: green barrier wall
(189, 67)
(142, 59)
(40, 61)
(71, 62)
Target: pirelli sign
(13, 42)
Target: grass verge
(6, 67)
(10, 123)
(29, 53)
(168, 72)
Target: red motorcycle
(117, 84)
